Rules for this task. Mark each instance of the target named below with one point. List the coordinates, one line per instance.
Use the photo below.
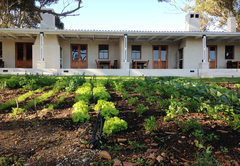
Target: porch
(127, 72)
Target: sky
(124, 15)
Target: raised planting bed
(170, 121)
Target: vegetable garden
(49, 120)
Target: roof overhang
(112, 35)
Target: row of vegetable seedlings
(68, 85)
(108, 111)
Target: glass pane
(83, 53)
(103, 47)
(74, 53)
(29, 51)
(229, 48)
(163, 53)
(103, 51)
(137, 55)
(19, 51)
(136, 48)
(105, 55)
(212, 53)
(155, 53)
(0, 45)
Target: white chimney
(192, 21)
(231, 24)
(48, 20)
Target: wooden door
(212, 57)
(160, 57)
(24, 55)
(79, 56)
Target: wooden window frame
(140, 52)
(104, 52)
(229, 52)
(79, 51)
(1, 50)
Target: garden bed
(53, 138)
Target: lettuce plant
(107, 108)
(114, 124)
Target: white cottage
(191, 53)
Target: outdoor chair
(100, 66)
(145, 66)
(229, 64)
(114, 66)
(1, 63)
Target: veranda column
(125, 48)
(125, 64)
(205, 63)
(41, 46)
(41, 64)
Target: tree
(58, 23)
(213, 12)
(26, 13)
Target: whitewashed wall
(9, 50)
(92, 48)
(221, 61)
(51, 51)
(146, 52)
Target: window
(103, 52)
(136, 52)
(229, 52)
(0, 50)
(79, 52)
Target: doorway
(79, 56)
(24, 55)
(160, 57)
(212, 57)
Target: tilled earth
(53, 139)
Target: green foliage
(107, 108)
(80, 111)
(16, 111)
(135, 145)
(21, 98)
(132, 100)
(5, 161)
(207, 159)
(81, 106)
(224, 149)
(235, 123)
(201, 138)
(80, 117)
(3, 85)
(141, 108)
(35, 81)
(100, 93)
(176, 107)
(13, 82)
(84, 92)
(114, 124)
(150, 124)
(51, 106)
(189, 125)
(74, 83)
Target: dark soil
(53, 139)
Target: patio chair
(1, 63)
(114, 66)
(145, 66)
(100, 66)
(229, 64)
